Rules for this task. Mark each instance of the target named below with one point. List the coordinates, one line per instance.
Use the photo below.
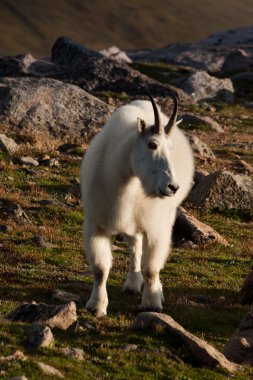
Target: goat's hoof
(98, 313)
(132, 292)
(150, 308)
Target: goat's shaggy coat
(133, 179)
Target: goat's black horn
(158, 126)
(173, 118)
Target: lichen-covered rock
(204, 87)
(61, 316)
(47, 107)
(222, 190)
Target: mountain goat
(135, 174)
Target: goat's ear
(141, 125)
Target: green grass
(31, 273)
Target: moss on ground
(31, 273)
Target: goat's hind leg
(134, 281)
(99, 256)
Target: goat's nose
(173, 187)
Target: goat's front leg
(155, 253)
(134, 279)
(98, 252)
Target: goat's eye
(152, 145)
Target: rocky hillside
(49, 111)
(128, 24)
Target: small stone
(41, 242)
(43, 158)
(61, 316)
(7, 144)
(10, 210)
(200, 147)
(29, 161)
(62, 296)
(188, 244)
(84, 325)
(74, 353)
(40, 336)
(17, 355)
(116, 54)
(51, 162)
(130, 347)
(49, 370)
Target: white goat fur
(120, 179)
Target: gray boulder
(51, 109)
(222, 190)
(189, 55)
(229, 38)
(204, 87)
(237, 60)
(208, 54)
(205, 354)
(65, 51)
